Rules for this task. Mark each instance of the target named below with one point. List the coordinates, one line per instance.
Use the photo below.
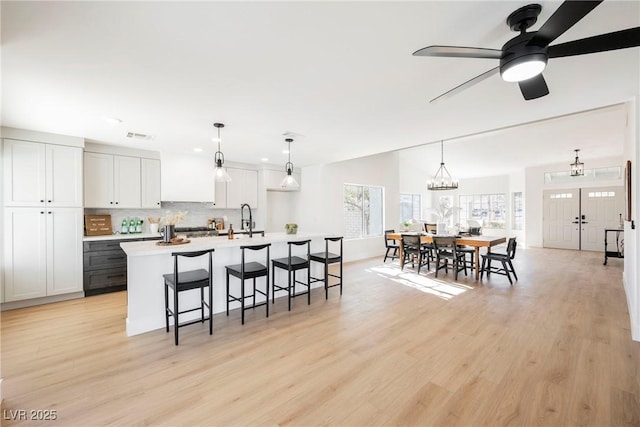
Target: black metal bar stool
(249, 270)
(327, 258)
(292, 264)
(185, 281)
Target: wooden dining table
(476, 242)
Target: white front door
(560, 216)
(601, 208)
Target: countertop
(146, 248)
(122, 237)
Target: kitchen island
(147, 262)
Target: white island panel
(147, 262)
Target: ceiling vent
(140, 136)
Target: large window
(488, 209)
(410, 207)
(518, 211)
(363, 211)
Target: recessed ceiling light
(198, 150)
(264, 159)
(112, 120)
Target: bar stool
(249, 270)
(292, 264)
(327, 258)
(186, 281)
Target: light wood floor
(396, 349)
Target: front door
(576, 218)
(601, 208)
(560, 211)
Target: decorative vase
(441, 229)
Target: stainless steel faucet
(242, 221)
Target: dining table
(476, 242)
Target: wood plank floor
(395, 349)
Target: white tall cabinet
(43, 219)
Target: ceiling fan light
(523, 68)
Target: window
(598, 174)
(410, 207)
(488, 209)
(363, 211)
(602, 194)
(518, 211)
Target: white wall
(631, 252)
(534, 186)
(320, 204)
(281, 210)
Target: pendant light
(442, 179)
(577, 167)
(221, 174)
(289, 181)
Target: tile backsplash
(197, 214)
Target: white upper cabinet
(243, 188)
(111, 181)
(38, 174)
(126, 182)
(150, 183)
(187, 178)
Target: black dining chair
(249, 270)
(504, 259)
(391, 245)
(291, 264)
(181, 281)
(413, 249)
(447, 252)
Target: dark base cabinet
(105, 266)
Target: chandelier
(577, 167)
(442, 179)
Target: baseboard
(13, 305)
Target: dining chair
(446, 250)
(412, 249)
(390, 245)
(504, 259)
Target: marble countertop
(121, 237)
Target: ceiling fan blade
(458, 52)
(466, 85)
(602, 43)
(533, 88)
(562, 19)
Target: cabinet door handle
(114, 258)
(110, 203)
(48, 201)
(41, 212)
(116, 203)
(49, 212)
(158, 203)
(114, 276)
(41, 200)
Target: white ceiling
(340, 74)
